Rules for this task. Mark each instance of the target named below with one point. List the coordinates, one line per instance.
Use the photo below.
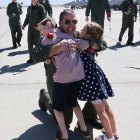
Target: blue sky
(27, 2)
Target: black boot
(15, 46)
(90, 116)
(129, 43)
(41, 102)
(30, 60)
(120, 39)
(44, 100)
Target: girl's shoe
(115, 135)
(103, 137)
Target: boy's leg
(61, 122)
(46, 99)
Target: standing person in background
(35, 13)
(129, 10)
(47, 6)
(98, 8)
(14, 11)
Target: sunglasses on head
(68, 21)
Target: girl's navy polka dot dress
(95, 85)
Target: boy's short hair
(44, 21)
(94, 30)
(65, 12)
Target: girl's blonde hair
(94, 31)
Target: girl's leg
(100, 108)
(111, 117)
(79, 115)
(60, 119)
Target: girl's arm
(93, 46)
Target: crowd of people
(72, 73)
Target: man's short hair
(65, 12)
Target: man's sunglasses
(68, 21)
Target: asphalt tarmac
(20, 83)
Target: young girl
(95, 86)
(67, 78)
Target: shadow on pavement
(46, 130)
(117, 46)
(18, 53)
(16, 69)
(6, 49)
(136, 44)
(134, 68)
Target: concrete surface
(20, 116)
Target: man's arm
(135, 12)
(88, 8)
(42, 12)
(124, 7)
(49, 8)
(26, 21)
(108, 10)
(8, 11)
(20, 9)
(41, 53)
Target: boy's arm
(42, 53)
(63, 46)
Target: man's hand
(126, 13)
(13, 14)
(23, 28)
(135, 19)
(87, 19)
(109, 19)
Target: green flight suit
(98, 8)
(14, 22)
(40, 54)
(47, 6)
(35, 14)
(128, 20)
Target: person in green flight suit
(98, 9)
(129, 16)
(40, 55)
(14, 10)
(47, 6)
(35, 14)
